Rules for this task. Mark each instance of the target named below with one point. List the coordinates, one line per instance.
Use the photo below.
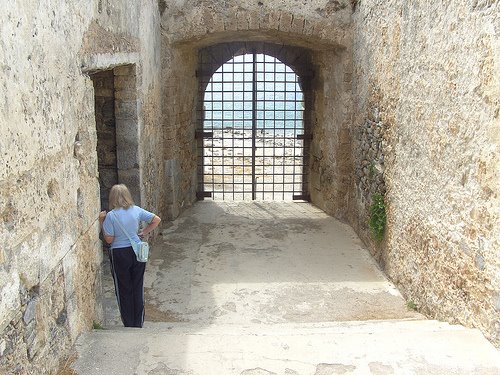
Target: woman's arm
(108, 239)
(102, 216)
(152, 225)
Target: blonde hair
(119, 197)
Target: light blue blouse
(129, 219)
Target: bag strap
(122, 228)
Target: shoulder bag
(141, 249)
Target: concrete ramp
(375, 347)
(274, 288)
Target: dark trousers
(128, 275)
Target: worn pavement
(254, 288)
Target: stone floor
(255, 288)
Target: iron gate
(251, 138)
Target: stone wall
(51, 256)
(427, 75)
(331, 164)
(180, 85)
(320, 26)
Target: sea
(229, 95)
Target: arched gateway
(253, 131)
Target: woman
(128, 273)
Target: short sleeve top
(130, 219)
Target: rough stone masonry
(404, 100)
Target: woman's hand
(102, 216)
(152, 225)
(141, 234)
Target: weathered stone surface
(331, 144)
(425, 72)
(186, 20)
(48, 183)
(30, 311)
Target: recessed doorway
(117, 130)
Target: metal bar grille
(251, 137)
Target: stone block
(62, 318)
(106, 154)
(125, 83)
(242, 20)
(30, 312)
(125, 109)
(285, 24)
(208, 20)
(124, 70)
(25, 254)
(108, 177)
(104, 92)
(308, 27)
(125, 95)
(253, 18)
(297, 25)
(270, 21)
(172, 167)
(127, 128)
(131, 178)
(315, 180)
(231, 20)
(33, 349)
(322, 29)
(170, 191)
(172, 211)
(127, 156)
(126, 144)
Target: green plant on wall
(377, 216)
(371, 170)
(411, 306)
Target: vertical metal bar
(232, 130)
(210, 125)
(215, 159)
(245, 146)
(275, 137)
(273, 158)
(307, 132)
(223, 171)
(212, 161)
(285, 176)
(201, 146)
(294, 152)
(254, 122)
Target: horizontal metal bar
(202, 134)
(302, 197)
(203, 194)
(304, 136)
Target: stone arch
(210, 23)
(286, 33)
(297, 58)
